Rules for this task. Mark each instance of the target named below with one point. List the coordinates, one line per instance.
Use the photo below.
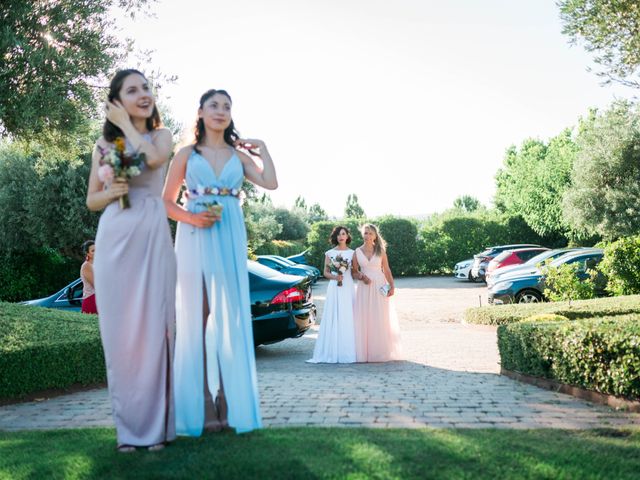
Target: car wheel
(472, 279)
(528, 296)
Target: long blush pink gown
(375, 320)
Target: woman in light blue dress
(214, 354)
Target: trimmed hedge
(600, 307)
(42, 348)
(601, 355)
(284, 248)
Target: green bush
(598, 307)
(43, 348)
(26, 275)
(284, 248)
(601, 355)
(546, 317)
(293, 224)
(403, 250)
(621, 266)
(318, 239)
(455, 235)
(563, 283)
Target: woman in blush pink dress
(376, 324)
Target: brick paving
(450, 379)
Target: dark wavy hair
(230, 133)
(86, 246)
(333, 238)
(109, 131)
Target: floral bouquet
(214, 207)
(338, 266)
(115, 162)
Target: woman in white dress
(336, 342)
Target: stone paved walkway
(450, 379)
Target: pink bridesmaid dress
(375, 320)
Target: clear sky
(407, 103)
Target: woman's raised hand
(116, 113)
(253, 146)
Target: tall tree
(533, 180)
(466, 203)
(55, 56)
(353, 208)
(604, 197)
(317, 213)
(611, 30)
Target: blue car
(281, 305)
(527, 287)
(289, 267)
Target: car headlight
(502, 286)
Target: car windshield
(502, 256)
(569, 258)
(541, 257)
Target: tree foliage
(604, 197)
(533, 180)
(467, 203)
(353, 208)
(611, 30)
(54, 54)
(292, 222)
(42, 193)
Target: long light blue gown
(217, 256)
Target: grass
(312, 453)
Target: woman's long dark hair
(230, 133)
(109, 131)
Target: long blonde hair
(379, 244)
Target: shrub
(26, 275)
(293, 224)
(454, 236)
(546, 317)
(621, 266)
(563, 283)
(403, 250)
(283, 248)
(42, 348)
(599, 307)
(601, 355)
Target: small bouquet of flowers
(214, 207)
(115, 162)
(338, 266)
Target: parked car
(463, 270)
(284, 265)
(298, 258)
(517, 256)
(520, 287)
(530, 265)
(482, 259)
(281, 305)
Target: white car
(463, 270)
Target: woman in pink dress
(135, 269)
(376, 324)
(86, 274)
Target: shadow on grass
(329, 453)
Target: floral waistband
(201, 191)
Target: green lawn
(330, 453)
